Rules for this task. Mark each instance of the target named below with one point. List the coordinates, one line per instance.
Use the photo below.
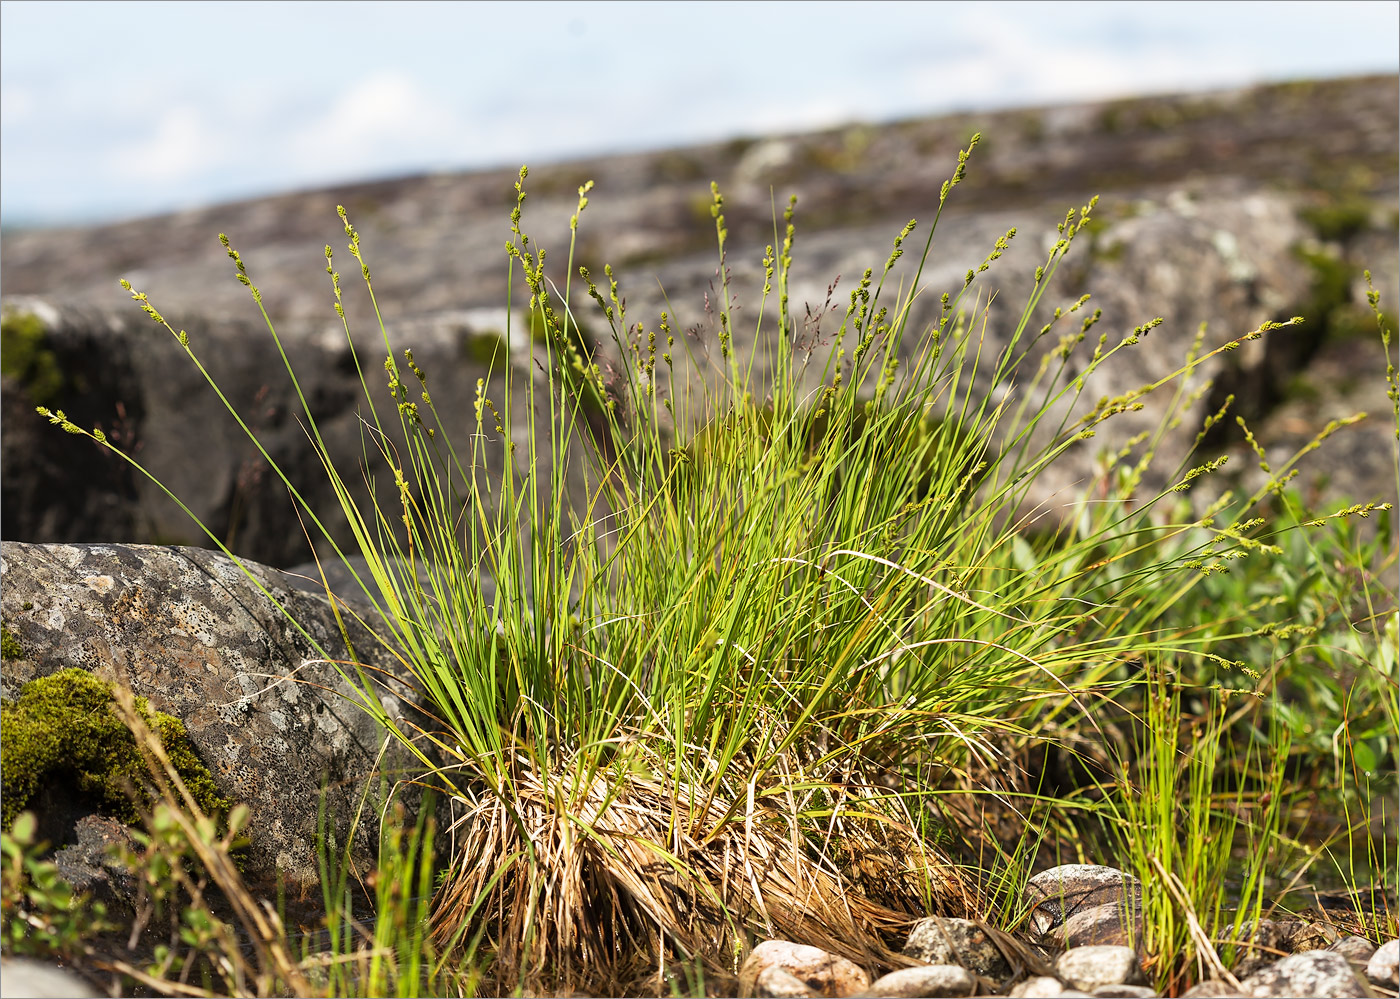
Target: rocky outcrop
(1213, 211)
(203, 639)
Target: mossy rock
(62, 731)
(25, 358)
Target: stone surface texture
(1357, 950)
(189, 630)
(776, 982)
(1384, 966)
(1212, 988)
(927, 980)
(1037, 987)
(822, 973)
(1111, 923)
(1089, 968)
(1317, 973)
(1061, 893)
(89, 867)
(1203, 219)
(944, 940)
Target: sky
(116, 110)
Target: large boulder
(203, 640)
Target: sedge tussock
(584, 873)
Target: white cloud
(384, 121)
(183, 146)
(17, 104)
(1006, 60)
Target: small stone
(1061, 892)
(1124, 992)
(1038, 987)
(1384, 966)
(1317, 973)
(1357, 950)
(927, 980)
(1089, 968)
(942, 940)
(1212, 988)
(821, 973)
(775, 982)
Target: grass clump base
(767, 658)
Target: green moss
(25, 358)
(62, 730)
(484, 348)
(9, 644)
(1329, 312)
(1338, 222)
(1301, 388)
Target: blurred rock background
(1229, 208)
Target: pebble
(1089, 968)
(928, 980)
(942, 940)
(1319, 973)
(822, 973)
(1384, 966)
(1037, 987)
(1212, 988)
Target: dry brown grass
(595, 882)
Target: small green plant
(42, 915)
(9, 644)
(1182, 830)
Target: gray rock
(928, 980)
(1037, 987)
(88, 865)
(1090, 968)
(1319, 973)
(1384, 966)
(1204, 230)
(1057, 895)
(1356, 949)
(188, 630)
(943, 940)
(1124, 992)
(1212, 988)
(26, 978)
